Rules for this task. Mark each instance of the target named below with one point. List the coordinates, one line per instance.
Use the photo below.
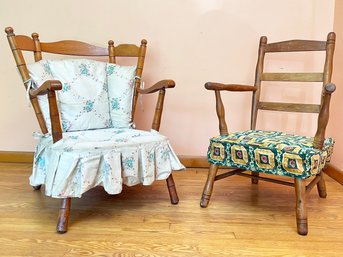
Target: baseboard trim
(194, 161)
(14, 156)
(187, 160)
(334, 172)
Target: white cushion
(111, 157)
(94, 95)
(83, 100)
(120, 92)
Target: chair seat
(106, 157)
(270, 152)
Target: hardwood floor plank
(241, 220)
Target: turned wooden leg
(63, 216)
(321, 186)
(255, 180)
(36, 187)
(301, 212)
(174, 199)
(206, 194)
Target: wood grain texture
(242, 220)
(289, 107)
(296, 46)
(72, 47)
(323, 117)
(257, 83)
(334, 172)
(228, 87)
(223, 130)
(295, 77)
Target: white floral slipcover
(99, 146)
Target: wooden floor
(241, 220)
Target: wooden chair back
(19, 43)
(325, 77)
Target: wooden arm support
(323, 117)
(167, 83)
(229, 87)
(161, 87)
(49, 85)
(217, 87)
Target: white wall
(190, 41)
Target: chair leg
(174, 199)
(321, 186)
(63, 216)
(301, 212)
(206, 194)
(36, 187)
(255, 180)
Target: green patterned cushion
(270, 152)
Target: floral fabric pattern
(120, 92)
(94, 95)
(110, 157)
(270, 152)
(83, 100)
(99, 147)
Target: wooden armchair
(271, 152)
(113, 146)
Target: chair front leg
(321, 186)
(301, 212)
(174, 199)
(63, 216)
(36, 187)
(206, 194)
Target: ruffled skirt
(104, 157)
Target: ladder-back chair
(272, 152)
(52, 88)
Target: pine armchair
(276, 152)
(86, 109)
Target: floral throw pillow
(94, 94)
(120, 81)
(83, 100)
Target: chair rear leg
(255, 180)
(321, 186)
(301, 212)
(174, 199)
(206, 194)
(36, 187)
(63, 216)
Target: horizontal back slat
(25, 43)
(126, 50)
(299, 77)
(289, 107)
(296, 46)
(70, 47)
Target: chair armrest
(323, 116)
(229, 87)
(217, 87)
(49, 85)
(161, 87)
(167, 83)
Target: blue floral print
(84, 70)
(89, 106)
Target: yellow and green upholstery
(270, 152)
